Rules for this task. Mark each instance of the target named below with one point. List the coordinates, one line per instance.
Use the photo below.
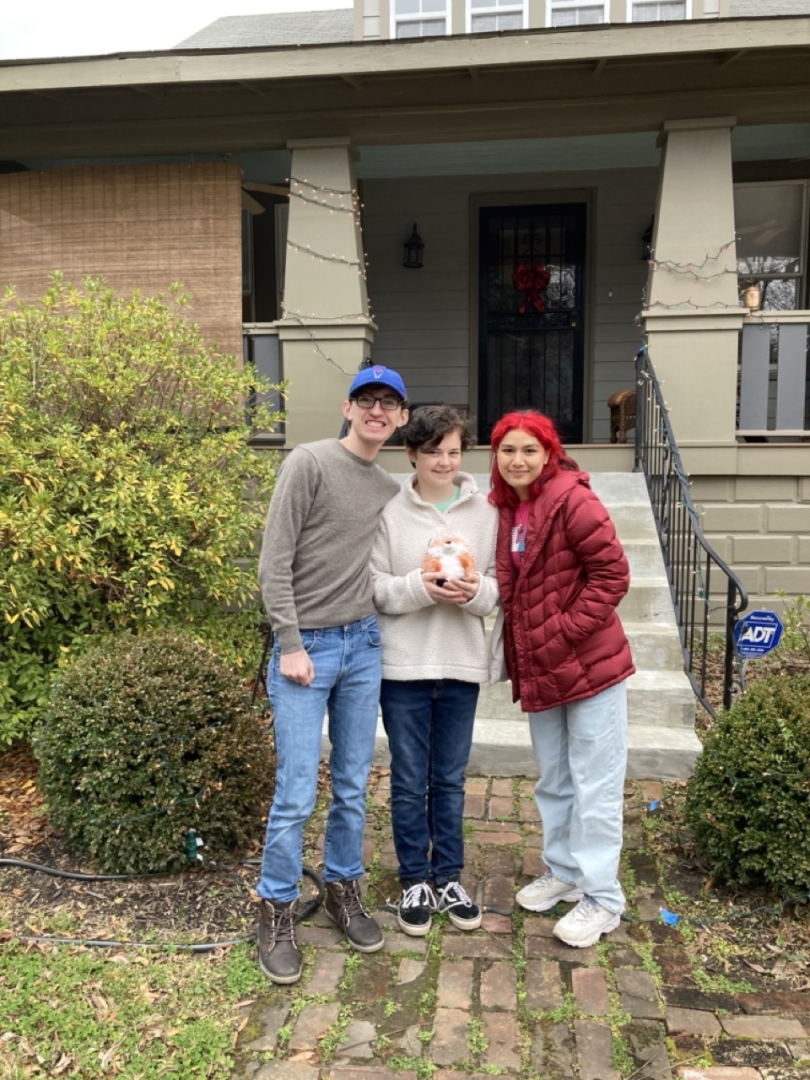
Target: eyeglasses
(388, 402)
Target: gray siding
(749, 9)
(424, 316)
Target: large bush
(146, 738)
(748, 800)
(126, 458)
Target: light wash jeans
(347, 663)
(581, 753)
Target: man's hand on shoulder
(297, 667)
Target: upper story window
(659, 10)
(485, 15)
(575, 13)
(418, 18)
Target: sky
(48, 28)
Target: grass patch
(83, 1012)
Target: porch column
(692, 315)
(325, 329)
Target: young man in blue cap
(316, 585)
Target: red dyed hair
(539, 427)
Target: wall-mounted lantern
(413, 251)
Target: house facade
(581, 183)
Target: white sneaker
(547, 891)
(586, 923)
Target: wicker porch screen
(139, 226)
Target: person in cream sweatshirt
(434, 658)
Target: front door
(531, 305)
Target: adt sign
(757, 634)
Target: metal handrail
(689, 558)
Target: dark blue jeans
(429, 723)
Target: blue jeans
(347, 663)
(581, 753)
(429, 723)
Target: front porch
(461, 330)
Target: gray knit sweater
(314, 568)
(422, 639)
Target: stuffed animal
(451, 556)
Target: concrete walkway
(510, 1000)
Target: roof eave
(528, 47)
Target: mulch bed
(206, 903)
(740, 935)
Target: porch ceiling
(497, 157)
(521, 85)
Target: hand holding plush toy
(449, 556)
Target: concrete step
(661, 699)
(633, 522)
(620, 489)
(655, 646)
(648, 601)
(654, 698)
(504, 748)
(666, 753)
(645, 558)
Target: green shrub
(237, 638)
(126, 458)
(145, 738)
(748, 800)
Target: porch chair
(622, 407)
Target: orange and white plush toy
(451, 557)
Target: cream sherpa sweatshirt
(422, 639)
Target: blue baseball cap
(378, 376)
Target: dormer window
(418, 18)
(575, 13)
(659, 10)
(484, 15)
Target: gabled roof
(289, 28)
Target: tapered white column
(692, 317)
(325, 329)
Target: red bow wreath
(531, 280)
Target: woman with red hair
(561, 574)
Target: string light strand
(720, 305)
(321, 257)
(321, 187)
(691, 267)
(361, 316)
(328, 206)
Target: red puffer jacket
(562, 637)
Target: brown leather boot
(344, 906)
(279, 956)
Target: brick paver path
(510, 999)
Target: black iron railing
(707, 595)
